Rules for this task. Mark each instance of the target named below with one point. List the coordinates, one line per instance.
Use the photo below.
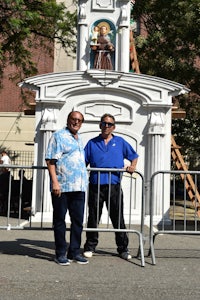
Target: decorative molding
(103, 5)
(94, 109)
(157, 123)
(49, 119)
(82, 12)
(106, 78)
(57, 87)
(124, 16)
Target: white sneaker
(125, 255)
(87, 254)
(129, 257)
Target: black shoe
(62, 260)
(79, 259)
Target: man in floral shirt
(67, 170)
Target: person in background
(5, 160)
(107, 151)
(66, 164)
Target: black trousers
(113, 198)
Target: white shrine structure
(141, 104)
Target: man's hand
(130, 169)
(51, 164)
(56, 189)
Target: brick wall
(10, 99)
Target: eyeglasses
(104, 124)
(76, 120)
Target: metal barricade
(17, 202)
(184, 215)
(15, 196)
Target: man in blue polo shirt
(107, 151)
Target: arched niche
(100, 44)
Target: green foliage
(187, 131)
(171, 50)
(26, 25)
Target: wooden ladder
(133, 55)
(187, 178)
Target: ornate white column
(124, 55)
(41, 201)
(48, 126)
(157, 155)
(82, 39)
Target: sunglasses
(76, 120)
(104, 124)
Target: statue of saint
(103, 48)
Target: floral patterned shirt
(70, 160)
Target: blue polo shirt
(112, 155)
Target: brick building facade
(17, 128)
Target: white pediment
(57, 87)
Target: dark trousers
(115, 209)
(74, 202)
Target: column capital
(157, 123)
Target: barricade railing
(133, 194)
(15, 195)
(183, 216)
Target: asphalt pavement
(28, 270)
